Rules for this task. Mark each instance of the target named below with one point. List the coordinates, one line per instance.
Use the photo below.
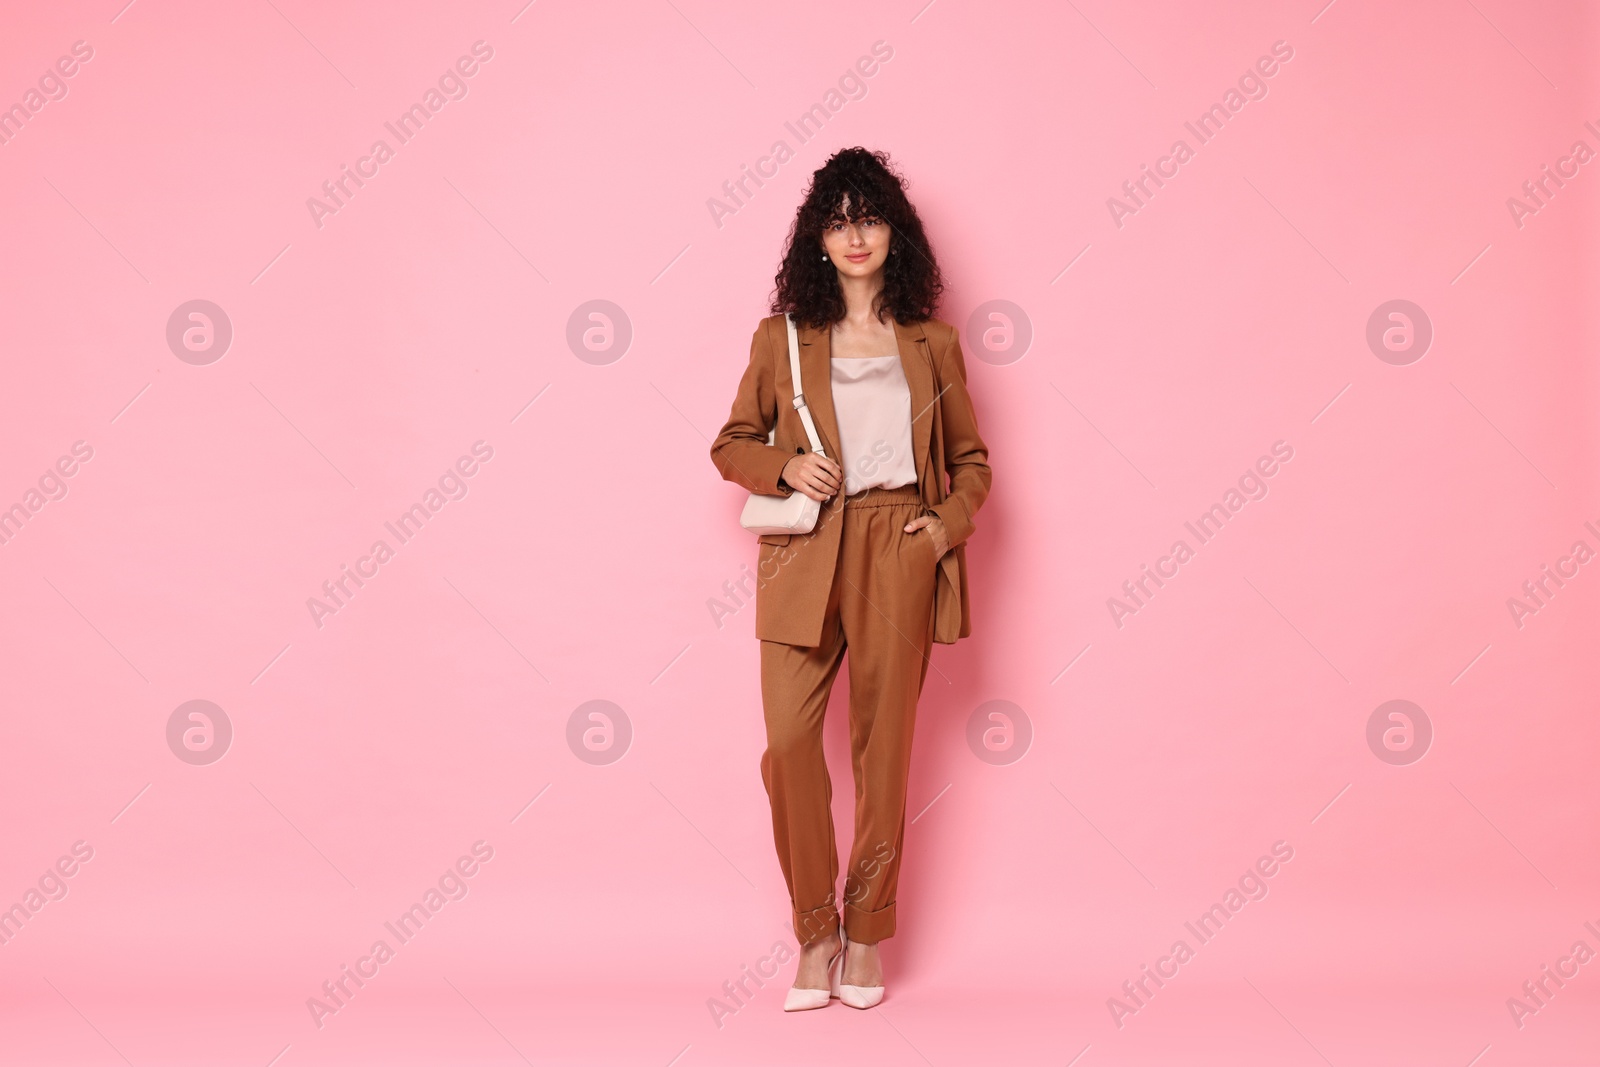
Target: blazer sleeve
(740, 452)
(966, 457)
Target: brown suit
(858, 582)
(793, 584)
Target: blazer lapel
(816, 381)
(918, 367)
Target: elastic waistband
(882, 498)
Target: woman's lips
(859, 258)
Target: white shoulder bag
(795, 513)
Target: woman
(883, 572)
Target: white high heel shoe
(857, 996)
(809, 999)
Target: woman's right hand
(816, 476)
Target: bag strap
(799, 397)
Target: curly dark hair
(808, 286)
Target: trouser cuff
(812, 926)
(868, 927)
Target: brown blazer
(795, 572)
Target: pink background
(370, 353)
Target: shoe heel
(836, 967)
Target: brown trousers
(881, 608)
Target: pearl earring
(824, 257)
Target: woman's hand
(935, 527)
(816, 476)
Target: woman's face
(858, 249)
